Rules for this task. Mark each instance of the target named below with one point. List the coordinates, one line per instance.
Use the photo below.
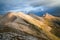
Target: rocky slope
(20, 26)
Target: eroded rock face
(9, 32)
(14, 27)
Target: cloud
(26, 5)
(31, 2)
(48, 3)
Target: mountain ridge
(30, 24)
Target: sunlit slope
(39, 24)
(13, 23)
(50, 20)
(44, 28)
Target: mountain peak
(48, 16)
(32, 25)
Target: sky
(30, 6)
